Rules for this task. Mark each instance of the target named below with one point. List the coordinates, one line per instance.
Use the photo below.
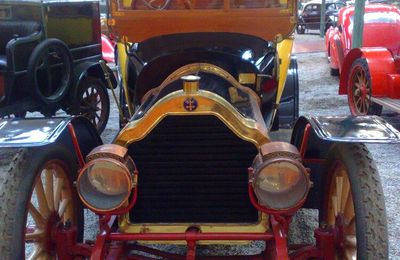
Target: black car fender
(288, 109)
(325, 132)
(92, 69)
(43, 132)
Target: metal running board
(392, 104)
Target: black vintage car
(49, 59)
(310, 15)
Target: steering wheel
(159, 4)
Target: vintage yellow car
(203, 83)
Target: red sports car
(107, 47)
(369, 75)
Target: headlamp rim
(128, 175)
(257, 170)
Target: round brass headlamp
(280, 181)
(106, 181)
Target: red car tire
(359, 88)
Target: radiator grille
(193, 169)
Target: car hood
(245, 46)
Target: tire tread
(11, 176)
(366, 183)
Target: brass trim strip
(208, 104)
(260, 227)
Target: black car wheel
(300, 29)
(36, 197)
(354, 205)
(50, 70)
(92, 101)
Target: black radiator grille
(193, 169)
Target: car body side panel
(380, 64)
(332, 48)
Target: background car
(49, 60)
(310, 15)
(381, 30)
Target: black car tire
(92, 101)
(334, 72)
(352, 181)
(19, 175)
(300, 29)
(59, 51)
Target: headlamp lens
(104, 184)
(278, 177)
(280, 184)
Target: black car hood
(229, 43)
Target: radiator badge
(190, 104)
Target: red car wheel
(359, 88)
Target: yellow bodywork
(284, 50)
(251, 130)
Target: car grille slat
(192, 169)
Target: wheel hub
(340, 234)
(91, 101)
(363, 91)
(51, 226)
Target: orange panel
(266, 22)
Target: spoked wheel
(37, 198)
(354, 205)
(93, 102)
(50, 70)
(359, 88)
(51, 203)
(341, 212)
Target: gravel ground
(318, 96)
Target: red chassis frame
(110, 244)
